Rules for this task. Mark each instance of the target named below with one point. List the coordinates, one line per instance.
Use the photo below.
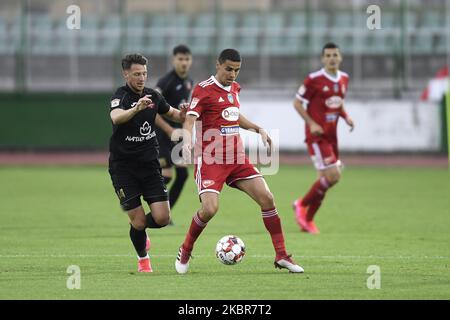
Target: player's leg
(181, 175)
(258, 190)
(327, 165)
(128, 191)
(155, 193)
(139, 237)
(210, 180)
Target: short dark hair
(229, 54)
(134, 58)
(329, 45)
(181, 48)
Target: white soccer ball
(230, 250)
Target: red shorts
(211, 177)
(324, 154)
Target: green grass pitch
(397, 219)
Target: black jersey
(175, 90)
(135, 139)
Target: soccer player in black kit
(175, 87)
(133, 160)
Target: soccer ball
(230, 250)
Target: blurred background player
(133, 159)
(215, 103)
(323, 94)
(176, 87)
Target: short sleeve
(197, 101)
(117, 100)
(306, 91)
(163, 106)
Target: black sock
(177, 186)
(151, 222)
(167, 180)
(139, 239)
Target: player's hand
(316, 130)
(350, 123)
(183, 107)
(266, 140)
(144, 103)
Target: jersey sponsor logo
(115, 103)
(302, 90)
(194, 103)
(331, 117)
(231, 114)
(220, 100)
(229, 130)
(230, 98)
(334, 102)
(207, 183)
(146, 129)
(325, 89)
(146, 133)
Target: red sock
(272, 223)
(312, 209)
(197, 226)
(317, 192)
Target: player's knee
(162, 220)
(266, 200)
(333, 178)
(138, 223)
(209, 210)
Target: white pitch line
(337, 257)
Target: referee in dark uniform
(176, 87)
(133, 160)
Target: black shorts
(132, 179)
(165, 151)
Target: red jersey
(324, 97)
(217, 128)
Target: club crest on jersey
(230, 98)
(336, 87)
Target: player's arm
(315, 128)
(163, 125)
(347, 118)
(175, 114)
(119, 116)
(188, 126)
(246, 124)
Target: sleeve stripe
(194, 113)
(299, 97)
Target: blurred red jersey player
(322, 92)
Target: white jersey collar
(228, 88)
(331, 78)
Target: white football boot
(288, 263)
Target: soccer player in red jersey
(323, 93)
(220, 158)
